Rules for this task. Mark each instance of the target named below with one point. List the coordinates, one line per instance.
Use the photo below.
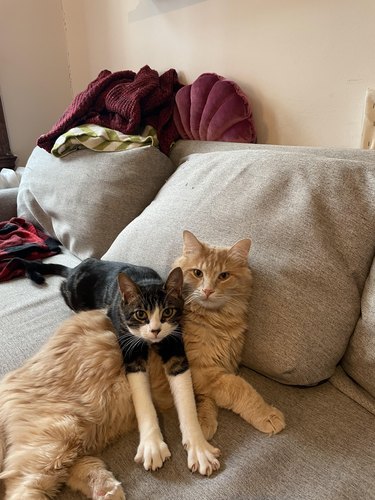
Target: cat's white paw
(152, 452)
(111, 489)
(202, 456)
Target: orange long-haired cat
(71, 399)
(217, 285)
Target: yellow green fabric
(101, 139)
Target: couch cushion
(359, 359)
(87, 198)
(312, 222)
(341, 380)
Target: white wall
(34, 75)
(304, 64)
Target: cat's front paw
(152, 452)
(202, 456)
(207, 416)
(208, 426)
(109, 489)
(270, 421)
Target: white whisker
(129, 343)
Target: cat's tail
(36, 269)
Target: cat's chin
(153, 340)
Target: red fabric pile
(19, 238)
(124, 101)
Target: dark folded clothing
(19, 238)
(124, 101)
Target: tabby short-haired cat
(217, 289)
(70, 400)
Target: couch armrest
(8, 203)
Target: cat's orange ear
(191, 243)
(240, 249)
(129, 290)
(175, 281)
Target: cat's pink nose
(155, 332)
(208, 291)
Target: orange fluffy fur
(217, 284)
(63, 406)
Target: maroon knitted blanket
(124, 101)
(19, 238)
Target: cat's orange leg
(90, 476)
(234, 393)
(207, 415)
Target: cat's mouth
(147, 335)
(211, 301)
(153, 336)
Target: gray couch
(310, 349)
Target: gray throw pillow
(312, 222)
(86, 198)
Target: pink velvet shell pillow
(213, 109)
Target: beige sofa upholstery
(310, 349)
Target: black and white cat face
(152, 324)
(152, 312)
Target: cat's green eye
(140, 315)
(197, 273)
(224, 276)
(168, 312)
